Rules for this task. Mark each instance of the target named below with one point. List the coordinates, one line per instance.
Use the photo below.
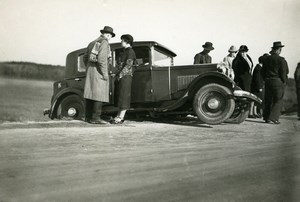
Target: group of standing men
(267, 79)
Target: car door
(161, 70)
(141, 88)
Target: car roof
(138, 43)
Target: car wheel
(72, 107)
(213, 104)
(240, 118)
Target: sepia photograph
(137, 100)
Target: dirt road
(147, 161)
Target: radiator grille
(184, 81)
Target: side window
(80, 64)
(142, 55)
(141, 52)
(161, 59)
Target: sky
(46, 31)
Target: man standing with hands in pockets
(96, 89)
(274, 71)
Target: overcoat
(97, 80)
(242, 72)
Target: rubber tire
(240, 118)
(225, 98)
(71, 101)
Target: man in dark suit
(274, 71)
(203, 57)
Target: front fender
(59, 96)
(209, 77)
(195, 85)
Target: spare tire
(213, 103)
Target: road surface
(178, 160)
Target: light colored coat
(97, 79)
(228, 62)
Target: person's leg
(278, 89)
(124, 98)
(122, 113)
(251, 111)
(267, 101)
(88, 109)
(97, 109)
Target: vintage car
(158, 88)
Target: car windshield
(161, 59)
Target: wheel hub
(213, 103)
(72, 112)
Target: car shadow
(255, 121)
(186, 121)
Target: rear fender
(58, 98)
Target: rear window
(80, 64)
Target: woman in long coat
(257, 87)
(126, 61)
(242, 66)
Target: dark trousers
(298, 96)
(274, 91)
(93, 109)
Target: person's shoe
(275, 122)
(258, 116)
(267, 121)
(117, 120)
(252, 116)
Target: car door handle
(77, 79)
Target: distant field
(24, 100)
(30, 70)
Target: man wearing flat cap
(274, 71)
(96, 89)
(203, 57)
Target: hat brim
(243, 50)
(104, 32)
(232, 51)
(278, 46)
(210, 48)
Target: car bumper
(247, 95)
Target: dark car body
(158, 86)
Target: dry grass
(24, 100)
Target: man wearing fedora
(203, 57)
(96, 89)
(274, 71)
